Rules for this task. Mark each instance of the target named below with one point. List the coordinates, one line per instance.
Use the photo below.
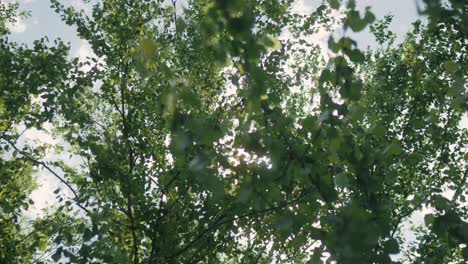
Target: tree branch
(442, 147)
(45, 166)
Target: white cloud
(21, 2)
(84, 53)
(18, 26)
(320, 38)
(43, 196)
(464, 122)
(300, 7)
(77, 4)
(80, 5)
(39, 136)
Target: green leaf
(451, 67)
(285, 225)
(354, 21)
(271, 42)
(356, 56)
(87, 235)
(42, 244)
(441, 203)
(357, 111)
(391, 246)
(316, 257)
(341, 180)
(357, 24)
(465, 253)
(57, 255)
(379, 131)
(335, 4)
(245, 193)
(393, 148)
(429, 219)
(148, 47)
(369, 17)
(332, 45)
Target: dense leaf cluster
(207, 136)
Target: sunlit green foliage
(216, 132)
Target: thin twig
(45, 166)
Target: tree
(208, 138)
(24, 73)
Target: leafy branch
(76, 197)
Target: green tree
(27, 75)
(207, 137)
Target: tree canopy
(219, 132)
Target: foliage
(208, 137)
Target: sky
(43, 21)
